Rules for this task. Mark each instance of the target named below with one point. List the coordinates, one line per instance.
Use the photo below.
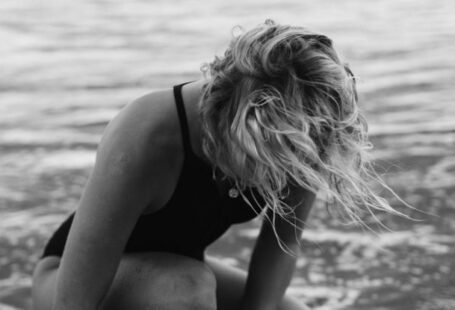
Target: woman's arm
(122, 183)
(271, 269)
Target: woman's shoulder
(145, 122)
(149, 114)
(141, 143)
(142, 136)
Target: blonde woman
(271, 123)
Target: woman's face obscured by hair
(281, 107)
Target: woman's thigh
(153, 280)
(231, 283)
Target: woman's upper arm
(123, 182)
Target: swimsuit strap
(183, 120)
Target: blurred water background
(66, 68)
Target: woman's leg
(153, 280)
(230, 282)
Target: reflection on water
(65, 72)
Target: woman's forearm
(271, 268)
(84, 279)
(269, 275)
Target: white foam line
(421, 236)
(337, 298)
(12, 223)
(394, 129)
(42, 136)
(75, 159)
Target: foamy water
(67, 68)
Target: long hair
(281, 108)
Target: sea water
(67, 68)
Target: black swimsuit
(194, 217)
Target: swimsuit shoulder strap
(183, 119)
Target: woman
(273, 122)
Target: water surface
(67, 68)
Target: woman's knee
(193, 287)
(162, 281)
(201, 284)
(142, 281)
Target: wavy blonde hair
(281, 108)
